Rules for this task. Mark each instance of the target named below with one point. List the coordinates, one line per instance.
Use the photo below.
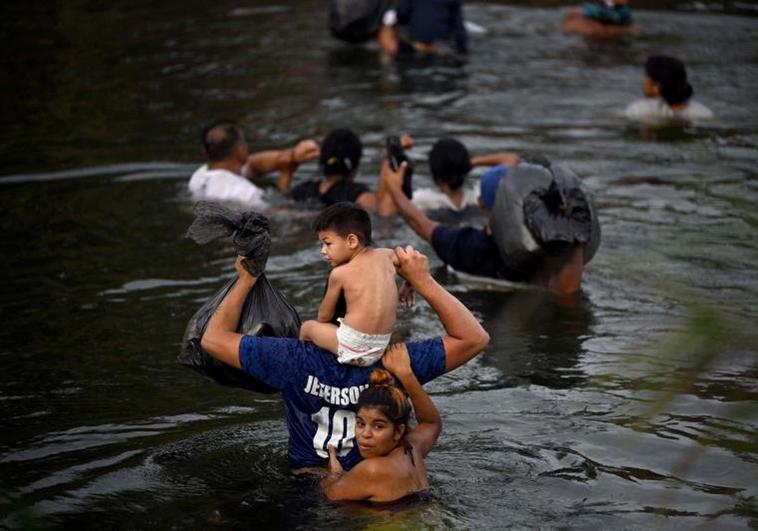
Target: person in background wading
(339, 160)
(231, 171)
(474, 251)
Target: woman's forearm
(426, 411)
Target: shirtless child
(367, 278)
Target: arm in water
(285, 161)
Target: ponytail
(384, 395)
(669, 73)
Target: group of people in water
(337, 379)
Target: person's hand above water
(406, 296)
(406, 141)
(413, 265)
(334, 464)
(242, 271)
(397, 361)
(305, 150)
(390, 177)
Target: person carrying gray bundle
(542, 227)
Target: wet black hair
(220, 138)
(384, 395)
(345, 218)
(449, 162)
(671, 75)
(340, 153)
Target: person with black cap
(668, 93)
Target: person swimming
(393, 453)
(608, 12)
(668, 93)
(600, 19)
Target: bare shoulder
(339, 273)
(375, 468)
(386, 254)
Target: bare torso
(368, 281)
(401, 475)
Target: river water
(631, 406)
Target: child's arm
(329, 303)
(423, 436)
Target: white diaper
(357, 348)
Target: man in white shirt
(231, 169)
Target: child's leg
(323, 335)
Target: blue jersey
(321, 395)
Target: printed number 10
(341, 424)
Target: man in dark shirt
(474, 251)
(430, 23)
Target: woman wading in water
(393, 452)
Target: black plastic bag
(250, 232)
(265, 312)
(356, 21)
(540, 210)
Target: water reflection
(536, 337)
(104, 429)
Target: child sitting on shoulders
(366, 276)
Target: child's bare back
(366, 277)
(368, 282)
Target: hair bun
(381, 378)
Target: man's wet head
(223, 140)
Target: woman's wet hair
(384, 395)
(671, 76)
(345, 218)
(340, 153)
(449, 162)
(220, 138)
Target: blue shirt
(321, 395)
(472, 251)
(431, 21)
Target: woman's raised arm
(423, 436)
